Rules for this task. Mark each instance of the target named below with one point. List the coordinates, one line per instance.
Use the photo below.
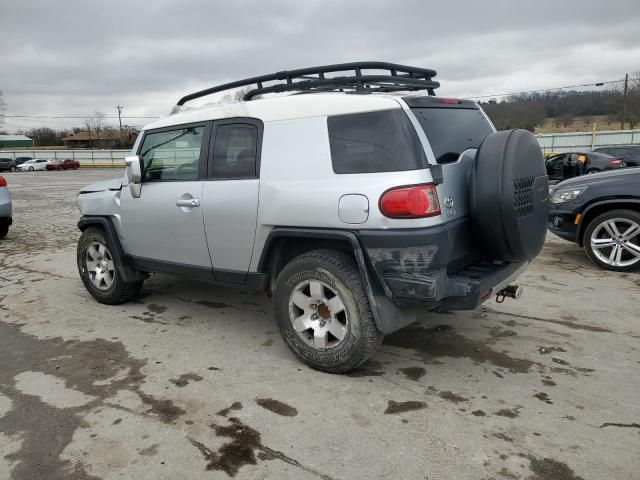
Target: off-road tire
(594, 223)
(120, 291)
(340, 272)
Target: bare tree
(98, 124)
(235, 95)
(88, 124)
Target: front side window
(235, 151)
(172, 155)
(370, 142)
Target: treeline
(46, 136)
(530, 110)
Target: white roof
(14, 137)
(283, 108)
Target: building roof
(4, 138)
(284, 108)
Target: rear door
(230, 196)
(163, 229)
(454, 130)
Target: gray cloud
(77, 57)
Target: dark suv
(602, 214)
(630, 154)
(7, 164)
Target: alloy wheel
(100, 266)
(318, 314)
(616, 242)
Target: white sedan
(35, 164)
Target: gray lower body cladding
(437, 267)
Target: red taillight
(449, 100)
(410, 202)
(3, 182)
(615, 161)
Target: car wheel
(31, 169)
(323, 312)
(592, 171)
(13, 169)
(4, 230)
(612, 240)
(98, 269)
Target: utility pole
(120, 107)
(624, 101)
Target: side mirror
(134, 174)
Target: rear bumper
(438, 267)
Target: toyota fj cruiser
(356, 203)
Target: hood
(611, 176)
(113, 184)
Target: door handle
(188, 202)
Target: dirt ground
(194, 381)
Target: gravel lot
(193, 381)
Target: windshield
(451, 131)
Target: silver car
(356, 203)
(5, 208)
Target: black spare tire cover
(509, 196)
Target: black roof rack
(318, 79)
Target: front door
(163, 229)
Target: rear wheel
(13, 168)
(31, 169)
(98, 269)
(612, 240)
(323, 312)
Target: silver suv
(356, 203)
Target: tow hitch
(512, 291)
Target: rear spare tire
(509, 196)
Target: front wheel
(323, 312)
(98, 269)
(612, 240)
(31, 169)
(13, 169)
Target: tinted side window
(370, 142)
(235, 151)
(172, 154)
(451, 131)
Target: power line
(594, 84)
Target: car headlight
(566, 195)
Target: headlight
(566, 195)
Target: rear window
(451, 131)
(371, 142)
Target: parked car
(67, 164)
(601, 213)
(331, 202)
(21, 160)
(5, 208)
(34, 164)
(7, 164)
(573, 164)
(629, 153)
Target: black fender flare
(598, 203)
(386, 314)
(125, 266)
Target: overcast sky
(73, 58)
